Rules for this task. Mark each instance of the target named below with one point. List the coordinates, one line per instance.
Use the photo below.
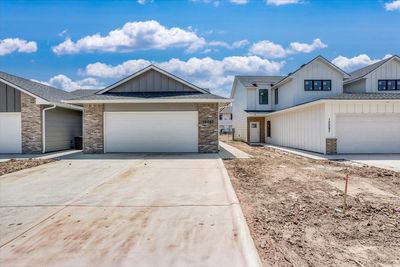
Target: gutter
(44, 127)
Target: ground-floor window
(268, 128)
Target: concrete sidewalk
(383, 161)
(50, 155)
(230, 152)
(122, 209)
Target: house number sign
(208, 121)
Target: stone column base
(331, 146)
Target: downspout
(44, 127)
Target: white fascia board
(148, 101)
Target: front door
(255, 132)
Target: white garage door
(372, 133)
(10, 132)
(172, 131)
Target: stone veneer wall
(331, 146)
(31, 125)
(208, 128)
(93, 128)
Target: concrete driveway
(123, 210)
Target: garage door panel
(10, 132)
(151, 131)
(368, 133)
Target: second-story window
(317, 85)
(263, 96)
(388, 85)
(276, 96)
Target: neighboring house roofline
(289, 77)
(153, 67)
(40, 100)
(355, 76)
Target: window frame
(260, 98)
(322, 85)
(386, 81)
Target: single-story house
(150, 111)
(33, 119)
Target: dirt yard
(17, 165)
(294, 208)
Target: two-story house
(225, 120)
(321, 108)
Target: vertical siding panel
(3, 97)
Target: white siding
(253, 102)
(239, 104)
(302, 128)
(293, 93)
(359, 107)
(389, 70)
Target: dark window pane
(398, 85)
(268, 128)
(317, 85)
(308, 85)
(326, 85)
(263, 96)
(391, 85)
(381, 85)
(276, 96)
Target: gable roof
(290, 75)
(155, 68)
(361, 73)
(45, 93)
(34, 89)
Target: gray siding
(62, 125)
(10, 99)
(355, 87)
(152, 81)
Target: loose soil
(294, 209)
(14, 165)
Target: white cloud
(213, 2)
(269, 49)
(204, 72)
(394, 5)
(297, 47)
(234, 45)
(282, 2)
(134, 36)
(10, 45)
(240, 44)
(239, 2)
(351, 64)
(63, 82)
(143, 2)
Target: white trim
(44, 127)
(77, 101)
(104, 131)
(147, 69)
(38, 99)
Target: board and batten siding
(292, 93)
(152, 81)
(239, 116)
(302, 128)
(389, 70)
(62, 125)
(10, 99)
(332, 110)
(122, 107)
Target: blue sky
(89, 44)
